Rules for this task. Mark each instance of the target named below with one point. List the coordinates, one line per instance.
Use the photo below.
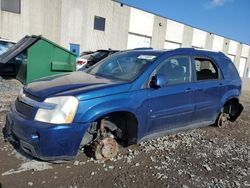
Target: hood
(68, 84)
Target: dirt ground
(205, 157)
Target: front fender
(93, 109)
(134, 102)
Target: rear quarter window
(229, 70)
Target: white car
(81, 62)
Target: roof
(180, 50)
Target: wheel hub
(222, 121)
(106, 148)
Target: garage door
(245, 50)
(232, 57)
(218, 43)
(233, 45)
(199, 38)
(136, 41)
(171, 45)
(141, 22)
(174, 31)
(242, 66)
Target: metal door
(75, 48)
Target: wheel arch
(125, 120)
(232, 94)
(232, 106)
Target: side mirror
(158, 81)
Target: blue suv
(125, 98)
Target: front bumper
(44, 141)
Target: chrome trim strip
(22, 97)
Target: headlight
(64, 111)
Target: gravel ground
(205, 157)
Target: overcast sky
(229, 18)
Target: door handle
(188, 90)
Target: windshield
(123, 66)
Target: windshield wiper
(109, 77)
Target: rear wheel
(222, 120)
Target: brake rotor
(106, 148)
(222, 121)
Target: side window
(176, 69)
(205, 69)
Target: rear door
(172, 106)
(209, 89)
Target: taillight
(81, 62)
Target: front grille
(24, 109)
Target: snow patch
(29, 165)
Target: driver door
(171, 106)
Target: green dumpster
(35, 57)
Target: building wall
(187, 36)
(158, 36)
(72, 21)
(246, 84)
(37, 17)
(69, 21)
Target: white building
(100, 24)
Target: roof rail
(208, 50)
(143, 48)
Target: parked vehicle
(87, 60)
(86, 53)
(5, 44)
(126, 98)
(7, 69)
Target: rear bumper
(44, 141)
